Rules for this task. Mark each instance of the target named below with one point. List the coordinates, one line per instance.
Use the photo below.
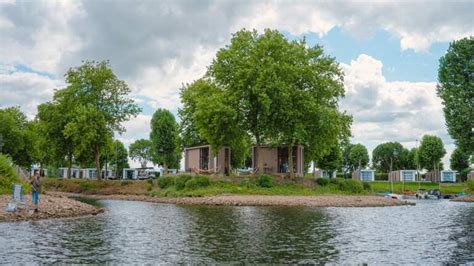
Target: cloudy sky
(388, 50)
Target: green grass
(399, 187)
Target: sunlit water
(430, 232)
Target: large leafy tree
(18, 138)
(118, 157)
(100, 104)
(354, 156)
(332, 160)
(164, 137)
(456, 90)
(387, 156)
(408, 159)
(272, 90)
(431, 152)
(140, 150)
(459, 160)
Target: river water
(140, 232)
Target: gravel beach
(49, 207)
(259, 200)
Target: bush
(265, 181)
(470, 185)
(197, 182)
(247, 183)
(367, 186)
(381, 176)
(165, 181)
(463, 174)
(351, 185)
(202, 181)
(180, 181)
(8, 175)
(85, 186)
(322, 181)
(336, 181)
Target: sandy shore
(258, 200)
(49, 207)
(464, 199)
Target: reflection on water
(431, 232)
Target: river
(140, 232)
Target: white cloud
(390, 110)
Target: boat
(421, 193)
(433, 194)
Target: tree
(270, 90)
(164, 137)
(119, 157)
(100, 106)
(387, 157)
(431, 152)
(408, 159)
(460, 162)
(17, 138)
(140, 150)
(456, 90)
(331, 161)
(358, 157)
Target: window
(408, 176)
(366, 176)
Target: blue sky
(389, 51)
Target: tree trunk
(97, 163)
(69, 165)
(259, 152)
(165, 169)
(290, 161)
(314, 169)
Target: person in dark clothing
(35, 189)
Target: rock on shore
(260, 200)
(49, 207)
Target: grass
(399, 187)
(232, 186)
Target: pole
(390, 175)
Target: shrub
(85, 186)
(180, 181)
(247, 183)
(463, 174)
(351, 185)
(165, 181)
(470, 185)
(336, 181)
(367, 186)
(8, 175)
(197, 182)
(265, 181)
(381, 176)
(322, 181)
(202, 181)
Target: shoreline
(50, 207)
(254, 200)
(469, 198)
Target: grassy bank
(399, 187)
(198, 186)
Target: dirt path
(49, 207)
(258, 200)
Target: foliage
(400, 187)
(99, 104)
(18, 139)
(353, 157)
(165, 181)
(164, 138)
(387, 156)
(459, 159)
(322, 181)
(265, 181)
(8, 175)
(197, 182)
(408, 159)
(266, 88)
(456, 90)
(367, 186)
(140, 150)
(118, 157)
(331, 161)
(351, 185)
(470, 185)
(462, 176)
(180, 181)
(431, 152)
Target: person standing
(35, 189)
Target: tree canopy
(388, 156)
(140, 150)
(459, 160)
(164, 138)
(431, 152)
(271, 90)
(456, 90)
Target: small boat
(394, 196)
(433, 194)
(421, 193)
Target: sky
(388, 50)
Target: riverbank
(255, 200)
(49, 207)
(464, 199)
